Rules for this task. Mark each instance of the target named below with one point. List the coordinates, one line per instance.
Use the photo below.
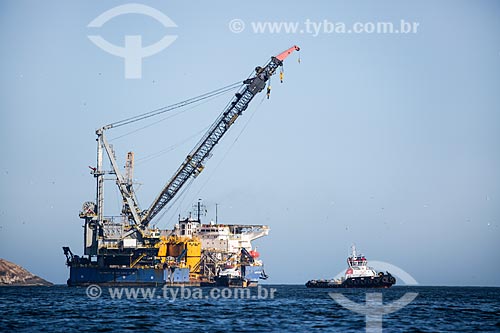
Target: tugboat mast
(353, 250)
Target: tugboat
(357, 275)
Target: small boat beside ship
(357, 275)
(245, 273)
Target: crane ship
(128, 250)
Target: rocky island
(14, 275)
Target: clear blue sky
(389, 141)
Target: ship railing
(113, 219)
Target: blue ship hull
(82, 276)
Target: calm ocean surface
(293, 309)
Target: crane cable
(170, 116)
(181, 194)
(169, 148)
(173, 106)
(209, 177)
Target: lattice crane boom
(194, 162)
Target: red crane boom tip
(286, 53)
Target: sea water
(292, 308)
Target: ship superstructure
(127, 249)
(358, 266)
(226, 251)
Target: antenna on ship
(216, 216)
(200, 210)
(199, 204)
